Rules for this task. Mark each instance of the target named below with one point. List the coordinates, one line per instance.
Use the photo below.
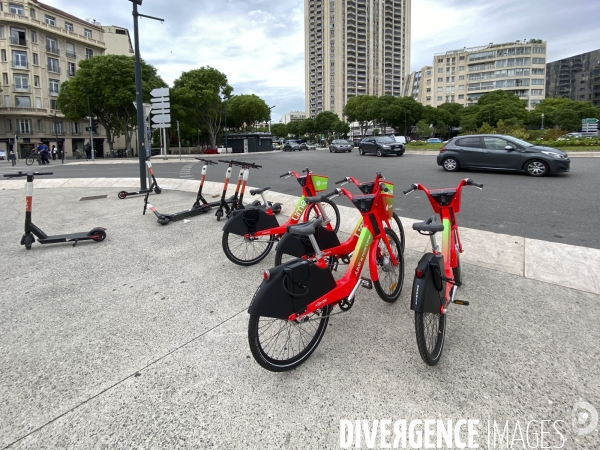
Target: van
(400, 139)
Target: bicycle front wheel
(280, 345)
(29, 161)
(246, 251)
(330, 209)
(391, 278)
(430, 330)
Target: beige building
(40, 48)
(462, 76)
(354, 47)
(293, 116)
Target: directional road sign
(161, 108)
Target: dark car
(340, 145)
(291, 146)
(380, 145)
(306, 146)
(497, 151)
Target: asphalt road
(555, 208)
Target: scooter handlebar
(207, 161)
(21, 174)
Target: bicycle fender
(309, 283)
(250, 220)
(428, 291)
(300, 246)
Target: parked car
(291, 146)
(380, 145)
(340, 145)
(306, 146)
(434, 141)
(497, 151)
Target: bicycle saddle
(305, 229)
(259, 191)
(432, 225)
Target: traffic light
(94, 125)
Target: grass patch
(430, 147)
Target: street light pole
(270, 108)
(91, 130)
(56, 133)
(542, 121)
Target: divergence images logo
(584, 418)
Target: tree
(279, 130)
(293, 128)
(358, 109)
(197, 99)
(423, 129)
(110, 82)
(245, 110)
(326, 123)
(561, 112)
(307, 128)
(497, 105)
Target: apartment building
(419, 85)
(354, 47)
(40, 48)
(576, 77)
(293, 116)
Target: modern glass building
(576, 78)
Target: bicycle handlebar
(383, 188)
(470, 182)
(207, 161)
(322, 198)
(21, 174)
(287, 174)
(307, 170)
(342, 181)
(412, 188)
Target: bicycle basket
(319, 182)
(385, 205)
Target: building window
(537, 91)
(537, 71)
(538, 60)
(2, 36)
(38, 102)
(21, 82)
(441, 70)
(53, 65)
(3, 53)
(462, 58)
(461, 67)
(8, 121)
(24, 126)
(461, 78)
(87, 33)
(440, 89)
(40, 125)
(36, 80)
(89, 53)
(51, 46)
(75, 128)
(19, 10)
(33, 36)
(19, 59)
(69, 27)
(32, 13)
(58, 127)
(70, 50)
(539, 49)
(440, 98)
(54, 86)
(461, 87)
(50, 20)
(22, 101)
(461, 97)
(53, 103)
(440, 79)
(35, 59)
(5, 79)
(538, 81)
(440, 60)
(18, 36)
(71, 69)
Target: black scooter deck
(65, 238)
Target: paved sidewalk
(141, 341)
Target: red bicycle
(249, 234)
(291, 246)
(438, 273)
(290, 310)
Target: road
(555, 208)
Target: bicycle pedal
(366, 283)
(461, 302)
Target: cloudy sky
(259, 44)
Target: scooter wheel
(98, 236)
(163, 220)
(276, 208)
(122, 194)
(219, 214)
(255, 203)
(27, 241)
(157, 190)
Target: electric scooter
(97, 234)
(153, 187)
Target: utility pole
(179, 138)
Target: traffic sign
(161, 118)
(161, 108)
(160, 92)
(589, 120)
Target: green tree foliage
(293, 129)
(279, 130)
(110, 82)
(423, 129)
(245, 110)
(561, 112)
(326, 123)
(308, 128)
(500, 105)
(359, 109)
(196, 100)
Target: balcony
(54, 93)
(20, 65)
(15, 40)
(52, 50)
(21, 88)
(70, 54)
(70, 73)
(53, 69)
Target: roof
(62, 13)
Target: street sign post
(161, 114)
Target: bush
(417, 143)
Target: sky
(259, 44)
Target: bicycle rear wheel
(398, 229)
(430, 329)
(391, 278)
(246, 251)
(330, 209)
(279, 345)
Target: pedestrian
(13, 157)
(45, 154)
(88, 151)
(54, 153)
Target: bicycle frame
(367, 242)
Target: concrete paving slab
(47, 183)
(562, 264)
(80, 182)
(493, 250)
(12, 184)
